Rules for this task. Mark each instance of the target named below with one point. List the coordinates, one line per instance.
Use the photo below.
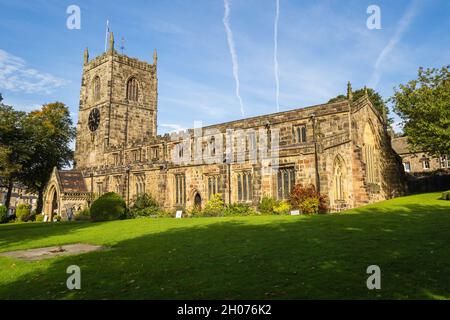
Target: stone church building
(342, 148)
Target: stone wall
(355, 161)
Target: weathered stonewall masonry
(342, 148)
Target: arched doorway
(198, 201)
(53, 201)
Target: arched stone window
(213, 185)
(117, 186)
(369, 154)
(212, 146)
(96, 88)
(180, 189)
(244, 186)
(140, 184)
(339, 179)
(132, 90)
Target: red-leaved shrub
(308, 200)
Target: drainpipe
(128, 187)
(316, 156)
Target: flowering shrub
(282, 207)
(214, 207)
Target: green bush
(283, 207)
(3, 214)
(39, 218)
(144, 206)
(214, 207)
(238, 209)
(109, 206)
(165, 214)
(83, 215)
(310, 206)
(23, 212)
(446, 195)
(308, 200)
(267, 204)
(194, 212)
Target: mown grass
(267, 257)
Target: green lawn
(270, 257)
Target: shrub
(238, 209)
(109, 206)
(56, 218)
(3, 214)
(194, 212)
(83, 215)
(267, 204)
(310, 206)
(165, 214)
(308, 200)
(144, 206)
(283, 207)
(446, 195)
(214, 206)
(39, 218)
(23, 212)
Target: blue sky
(321, 46)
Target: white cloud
(275, 54)
(16, 76)
(393, 41)
(172, 127)
(234, 57)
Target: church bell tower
(118, 104)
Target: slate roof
(71, 181)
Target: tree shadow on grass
(14, 234)
(319, 257)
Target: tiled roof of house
(400, 145)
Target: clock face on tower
(94, 120)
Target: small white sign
(295, 212)
(179, 214)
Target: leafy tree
(424, 106)
(374, 97)
(51, 132)
(14, 148)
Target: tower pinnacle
(155, 57)
(86, 56)
(111, 42)
(349, 91)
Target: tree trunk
(40, 201)
(9, 193)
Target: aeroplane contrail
(234, 58)
(275, 54)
